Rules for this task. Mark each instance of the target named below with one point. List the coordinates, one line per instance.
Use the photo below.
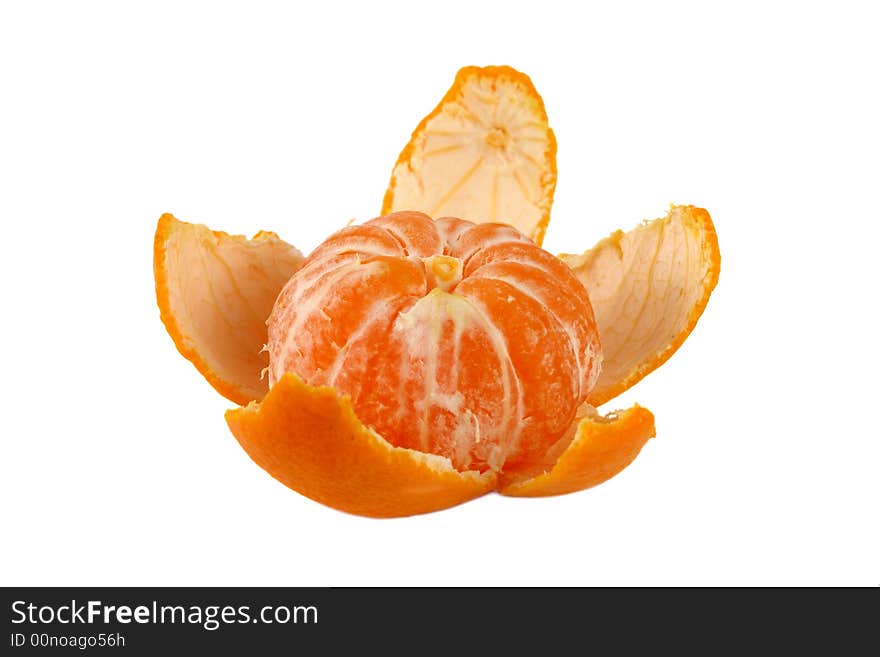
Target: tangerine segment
(310, 439)
(600, 448)
(648, 288)
(215, 292)
(485, 153)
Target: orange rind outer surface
(486, 153)
(600, 449)
(214, 293)
(648, 287)
(310, 439)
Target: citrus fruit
(214, 292)
(461, 340)
(416, 364)
(485, 154)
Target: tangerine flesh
(461, 340)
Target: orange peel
(485, 154)
(648, 288)
(599, 448)
(214, 292)
(309, 439)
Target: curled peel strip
(599, 448)
(214, 292)
(648, 288)
(309, 439)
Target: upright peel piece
(600, 448)
(215, 292)
(485, 154)
(309, 439)
(648, 288)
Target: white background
(117, 466)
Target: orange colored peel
(215, 292)
(485, 154)
(648, 288)
(600, 448)
(309, 439)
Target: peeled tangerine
(451, 338)
(409, 364)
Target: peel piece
(485, 154)
(648, 288)
(599, 449)
(309, 439)
(215, 292)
